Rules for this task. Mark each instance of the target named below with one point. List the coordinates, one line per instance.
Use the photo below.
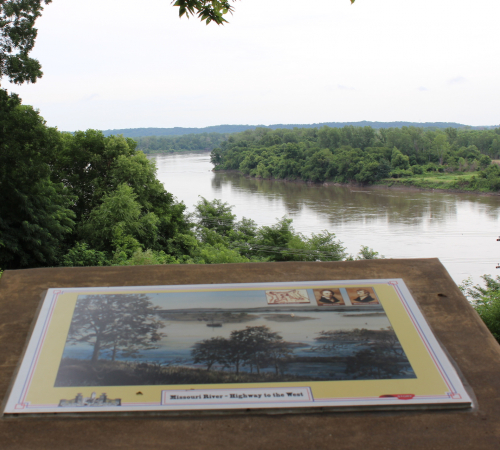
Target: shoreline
(379, 186)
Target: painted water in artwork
(212, 337)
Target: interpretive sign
(346, 344)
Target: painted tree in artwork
(278, 351)
(330, 341)
(254, 347)
(120, 323)
(380, 354)
(211, 351)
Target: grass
(434, 180)
(75, 372)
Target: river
(459, 229)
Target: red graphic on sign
(399, 396)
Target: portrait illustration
(362, 296)
(328, 297)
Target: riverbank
(417, 188)
(152, 152)
(449, 182)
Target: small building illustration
(93, 400)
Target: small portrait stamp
(328, 297)
(362, 296)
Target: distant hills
(179, 131)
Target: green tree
(17, 39)
(214, 215)
(119, 223)
(486, 301)
(243, 231)
(440, 146)
(494, 150)
(81, 255)
(216, 157)
(35, 214)
(275, 241)
(86, 164)
(398, 160)
(93, 166)
(369, 173)
(323, 246)
(484, 161)
(280, 242)
(143, 258)
(217, 254)
(417, 170)
(368, 253)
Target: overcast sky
(133, 63)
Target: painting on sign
(139, 339)
(262, 345)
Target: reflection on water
(182, 335)
(460, 229)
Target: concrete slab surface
(453, 321)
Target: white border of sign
(241, 397)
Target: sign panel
(346, 344)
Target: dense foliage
(60, 190)
(35, 210)
(361, 154)
(84, 199)
(17, 39)
(486, 301)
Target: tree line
(184, 143)
(361, 154)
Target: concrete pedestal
(453, 321)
